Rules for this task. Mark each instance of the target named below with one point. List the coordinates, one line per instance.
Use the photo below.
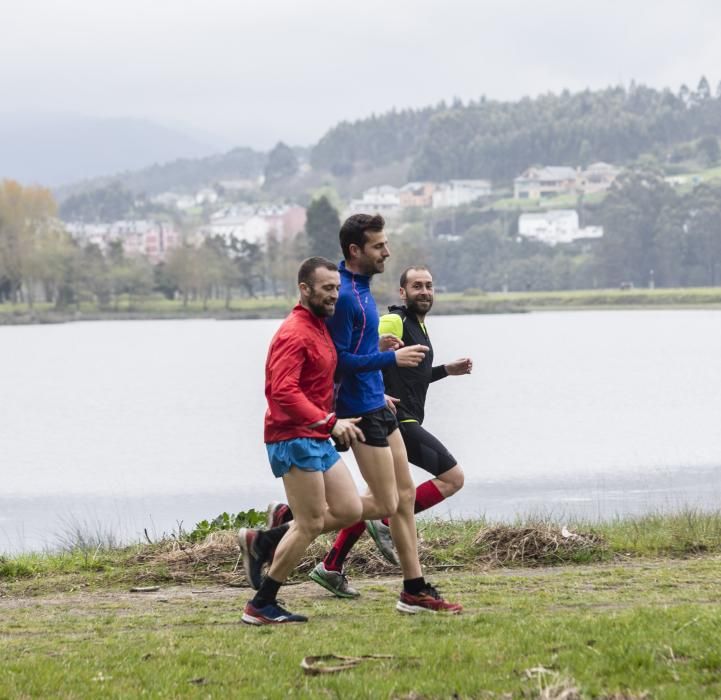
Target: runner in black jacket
(409, 386)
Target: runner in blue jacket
(382, 458)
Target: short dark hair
(353, 230)
(306, 271)
(404, 274)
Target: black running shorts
(377, 426)
(426, 450)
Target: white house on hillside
(383, 199)
(253, 224)
(555, 226)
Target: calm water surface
(120, 426)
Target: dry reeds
(215, 557)
(539, 543)
(218, 556)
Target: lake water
(114, 427)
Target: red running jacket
(299, 378)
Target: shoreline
(445, 305)
(455, 543)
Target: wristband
(331, 423)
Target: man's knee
(387, 503)
(347, 513)
(454, 479)
(310, 526)
(406, 499)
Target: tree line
(41, 262)
(498, 140)
(653, 235)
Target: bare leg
(403, 523)
(308, 496)
(376, 467)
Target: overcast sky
(255, 72)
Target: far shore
(469, 302)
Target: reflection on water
(133, 425)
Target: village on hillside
(230, 219)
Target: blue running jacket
(354, 329)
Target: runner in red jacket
(298, 424)
(299, 379)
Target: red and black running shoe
(252, 561)
(278, 514)
(271, 614)
(428, 600)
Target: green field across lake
(471, 302)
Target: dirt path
(85, 601)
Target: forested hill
(184, 173)
(498, 140)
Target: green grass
(697, 177)
(705, 297)
(643, 616)
(607, 628)
(150, 308)
(454, 303)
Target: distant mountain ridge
(183, 174)
(55, 150)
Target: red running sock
(344, 542)
(427, 496)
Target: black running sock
(267, 593)
(414, 585)
(268, 540)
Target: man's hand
(462, 366)
(346, 432)
(391, 402)
(411, 355)
(389, 342)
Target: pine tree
(322, 227)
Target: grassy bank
(624, 609)
(707, 297)
(443, 545)
(470, 302)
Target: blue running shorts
(310, 454)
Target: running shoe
(252, 561)
(278, 513)
(381, 534)
(428, 600)
(334, 581)
(271, 614)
